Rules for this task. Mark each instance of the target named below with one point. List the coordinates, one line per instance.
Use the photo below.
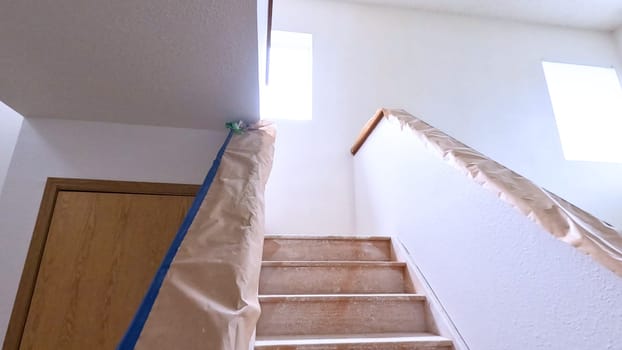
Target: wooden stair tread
(419, 338)
(329, 248)
(320, 314)
(275, 298)
(335, 263)
(333, 277)
(330, 237)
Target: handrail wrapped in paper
(205, 294)
(562, 219)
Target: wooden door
(101, 252)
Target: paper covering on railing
(206, 296)
(563, 220)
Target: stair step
(329, 248)
(386, 341)
(284, 315)
(332, 277)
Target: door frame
(53, 186)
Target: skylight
(587, 102)
(289, 90)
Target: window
(288, 92)
(587, 102)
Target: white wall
(10, 124)
(310, 188)
(505, 282)
(479, 80)
(618, 39)
(262, 39)
(59, 148)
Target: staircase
(339, 293)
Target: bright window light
(288, 93)
(587, 102)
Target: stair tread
(332, 263)
(339, 293)
(331, 237)
(327, 248)
(337, 297)
(417, 338)
(330, 277)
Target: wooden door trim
(53, 186)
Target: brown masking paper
(562, 219)
(209, 297)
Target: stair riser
(326, 250)
(344, 316)
(332, 280)
(377, 346)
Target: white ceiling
(190, 63)
(591, 14)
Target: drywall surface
(91, 150)
(310, 188)
(505, 282)
(603, 15)
(618, 39)
(190, 64)
(262, 40)
(10, 124)
(481, 81)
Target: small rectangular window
(587, 102)
(289, 90)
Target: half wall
(505, 281)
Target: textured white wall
(190, 64)
(505, 282)
(618, 39)
(10, 124)
(479, 80)
(91, 150)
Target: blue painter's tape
(136, 326)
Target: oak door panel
(101, 253)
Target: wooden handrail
(367, 130)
